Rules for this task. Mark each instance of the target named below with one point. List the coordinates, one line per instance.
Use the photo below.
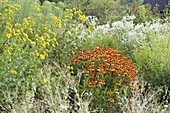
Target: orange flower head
(109, 91)
(100, 82)
(111, 100)
(92, 75)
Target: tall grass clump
(145, 101)
(52, 95)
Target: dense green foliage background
(112, 10)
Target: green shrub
(27, 9)
(105, 11)
(24, 48)
(28, 44)
(144, 13)
(152, 58)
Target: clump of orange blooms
(106, 68)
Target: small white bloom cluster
(129, 32)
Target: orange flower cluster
(102, 65)
(111, 100)
(109, 61)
